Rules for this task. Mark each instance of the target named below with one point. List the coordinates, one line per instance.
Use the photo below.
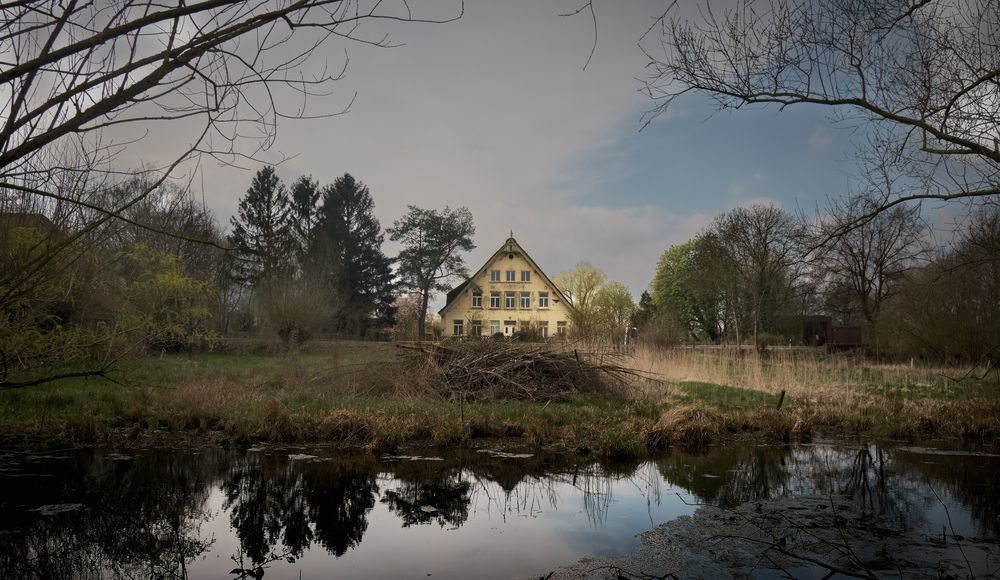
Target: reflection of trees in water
(972, 480)
(729, 476)
(425, 492)
(140, 518)
(593, 482)
(444, 500)
(272, 499)
(896, 485)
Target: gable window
(511, 276)
(494, 275)
(525, 275)
(457, 328)
(561, 328)
(494, 300)
(525, 299)
(476, 329)
(509, 300)
(477, 299)
(494, 327)
(543, 299)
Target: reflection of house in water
(821, 331)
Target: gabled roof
(509, 246)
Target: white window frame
(494, 275)
(526, 275)
(457, 327)
(561, 328)
(476, 328)
(477, 303)
(525, 297)
(543, 326)
(512, 275)
(494, 327)
(543, 299)
(497, 296)
(510, 300)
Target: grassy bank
(361, 394)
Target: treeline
(79, 283)
(311, 258)
(757, 274)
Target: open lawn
(362, 394)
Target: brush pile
(499, 370)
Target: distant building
(820, 331)
(510, 293)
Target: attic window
(510, 256)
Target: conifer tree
(304, 212)
(430, 258)
(349, 230)
(261, 231)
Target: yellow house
(509, 293)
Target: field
(361, 394)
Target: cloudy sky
(495, 112)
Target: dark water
(290, 513)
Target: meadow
(363, 394)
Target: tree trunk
(422, 321)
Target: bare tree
(949, 310)
(759, 248)
(863, 266)
(920, 77)
(226, 71)
(229, 70)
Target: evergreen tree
(349, 234)
(261, 231)
(304, 213)
(645, 310)
(430, 257)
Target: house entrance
(509, 326)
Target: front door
(509, 326)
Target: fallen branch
(507, 370)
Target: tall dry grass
(806, 375)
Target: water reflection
(103, 515)
(162, 512)
(904, 484)
(428, 492)
(272, 499)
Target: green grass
(355, 393)
(723, 397)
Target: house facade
(510, 293)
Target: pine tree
(645, 311)
(261, 231)
(304, 212)
(430, 258)
(349, 230)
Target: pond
(318, 513)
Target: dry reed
(807, 376)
